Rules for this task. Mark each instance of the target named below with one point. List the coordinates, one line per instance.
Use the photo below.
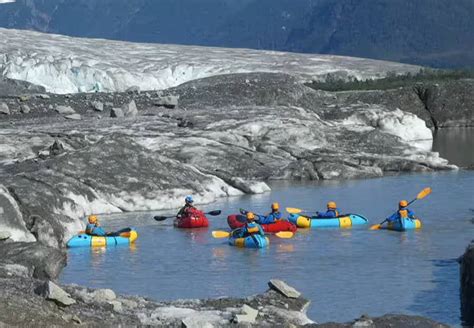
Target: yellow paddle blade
(220, 234)
(284, 234)
(425, 192)
(376, 227)
(293, 210)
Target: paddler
(403, 212)
(188, 205)
(93, 228)
(251, 228)
(331, 212)
(274, 216)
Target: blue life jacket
(403, 212)
(329, 214)
(270, 218)
(93, 230)
(250, 228)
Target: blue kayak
(257, 241)
(123, 237)
(404, 224)
(342, 221)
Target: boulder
(116, 112)
(25, 109)
(104, 295)
(56, 148)
(133, 89)
(130, 109)
(53, 292)
(14, 270)
(97, 105)
(4, 109)
(467, 286)
(281, 287)
(43, 96)
(248, 315)
(64, 110)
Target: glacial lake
(345, 273)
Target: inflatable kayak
(342, 221)
(404, 224)
(193, 219)
(236, 221)
(257, 241)
(122, 237)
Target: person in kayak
(250, 228)
(403, 212)
(274, 216)
(331, 212)
(188, 205)
(93, 227)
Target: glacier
(64, 64)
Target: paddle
(162, 218)
(422, 194)
(225, 234)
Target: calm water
(345, 273)
(457, 145)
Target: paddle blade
(284, 234)
(220, 234)
(293, 210)
(216, 212)
(376, 227)
(425, 192)
(160, 218)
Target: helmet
(250, 216)
(189, 199)
(332, 205)
(92, 219)
(275, 206)
(403, 203)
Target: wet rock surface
(386, 321)
(467, 285)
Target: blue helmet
(189, 199)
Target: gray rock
(25, 109)
(43, 262)
(130, 109)
(64, 110)
(170, 101)
(98, 106)
(4, 235)
(193, 322)
(249, 315)
(104, 295)
(467, 286)
(117, 306)
(75, 117)
(53, 292)
(116, 112)
(129, 303)
(4, 109)
(56, 148)
(43, 154)
(43, 96)
(17, 270)
(281, 287)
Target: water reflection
(456, 145)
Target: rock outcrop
(467, 286)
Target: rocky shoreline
(30, 297)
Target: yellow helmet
(250, 216)
(332, 205)
(275, 206)
(403, 203)
(92, 219)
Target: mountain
(429, 32)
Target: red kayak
(193, 219)
(237, 221)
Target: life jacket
(336, 212)
(403, 213)
(252, 228)
(90, 228)
(277, 216)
